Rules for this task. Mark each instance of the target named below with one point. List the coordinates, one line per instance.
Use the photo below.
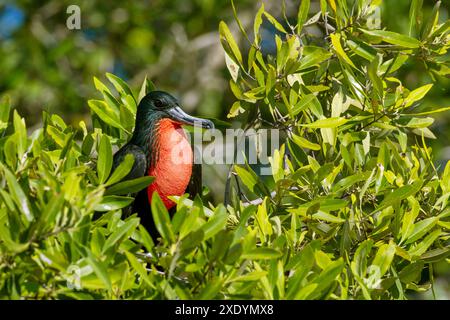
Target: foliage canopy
(359, 209)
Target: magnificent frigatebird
(161, 149)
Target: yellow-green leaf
(336, 41)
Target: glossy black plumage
(155, 106)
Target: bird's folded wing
(139, 168)
(195, 184)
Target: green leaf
(409, 218)
(321, 215)
(421, 228)
(374, 78)
(5, 109)
(109, 203)
(227, 37)
(250, 179)
(161, 218)
(233, 254)
(400, 194)
(130, 105)
(99, 269)
(336, 42)
(302, 142)
(428, 112)
(215, 223)
(436, 255)
(326, 123)
(262, 253)
(122, 170)
(239, 23)
(384, 257)
(147, 86)
(432, 21)
(424, 132)
(232, 67)
(394, 38)
(122, 232)
(306, 291)
(414, 16)
(145, 238)
(20, 134)
(18, 195)
(423, 245)
(119, 84)
(420, 122)
(308, 101)
(130, 186)
(274, 21)
(108, 116)
(211, 289)
(302, 267)
(235, 110)
(302, 15)
(411, 272)
(251, 276)
(137, 265)
(313, 56)
(105, 159)
(51, 210)
(327, 276)
(257, 24)
(112, 104)
(362, 49)
(445, 180)
(337, 104)
(417, 95)
(359, 263)
(100, 86)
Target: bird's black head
(157, 105)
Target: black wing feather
(141, 205)
(140, 161)
(195, 184)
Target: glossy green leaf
(302, 15)
(262, 253)
(274, 22)
(18, 195)
(122, 170)
(227, 37)
(215, 223)
(108, 116)
(161, 218)
(327, 123)
(384, 257)
(401, 193)
(421, 228)
(336, 42)
(121, 232)
(302, 142)
(120, 85)
(130, 186)
(394, 38)
(313, 56)
(109, 203)
(105, 159)
(416, 95)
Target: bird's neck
(146, 135)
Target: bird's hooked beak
(178, 115)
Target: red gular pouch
(173, 167)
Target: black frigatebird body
(161, 149)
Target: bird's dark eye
(158, 103)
